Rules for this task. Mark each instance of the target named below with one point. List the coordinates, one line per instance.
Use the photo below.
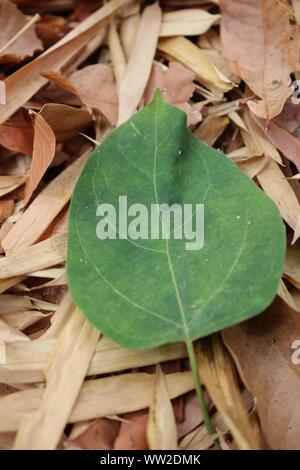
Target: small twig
(89, 138)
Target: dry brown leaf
(10, 334)
(65, 121)
(116, 52)
(176, 84)
(266, 343)
(139, 65)
(51, 28)
(10, 182)
(17, 133)
(26, 365)
(252, 166)
(132, 434)
(59, 320)
(39, 256)
(95, 87)
(296, 230)
(273, 182)
(44, 145)
(192, 414)
(97, 398)
(45, 207)
(256, 141)
(58, 226)
(10, 303)
(23, 319)
(183, 50)
(100, 435)
(218, 375)
(25, 82)
(292, 265)
(284, 131)
(15, 45)
(189, 22)
(128, 30)
(6, 208)
(262, 47)
(211, 128)
(286, 295)
(161, 427)
(9, 282)
(64, 373)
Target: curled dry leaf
(65, 121)
(176, 84)
(42, 156)
(284, 131)
(262, 47)
(15, 45)
(51, 28)
(95, 87)
(266, 343)
(16, 133)
(10, 183)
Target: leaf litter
(85, 71)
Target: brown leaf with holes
(264, 350)
(176, 84)
(42, 156)
(262, 46)
(12, 22)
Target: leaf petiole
(198, 387)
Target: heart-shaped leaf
(142, 292)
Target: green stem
(198, 387)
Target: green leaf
(143, 293)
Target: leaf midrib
(170, 264)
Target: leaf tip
(158, 96)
